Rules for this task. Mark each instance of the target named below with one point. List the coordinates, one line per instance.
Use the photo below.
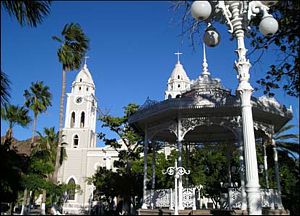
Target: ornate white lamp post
(177, 172)
(237, 15)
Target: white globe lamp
(268, 26)
(201, 10)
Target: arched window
(79, 88)
(87, 89)
(75, 141)
(72, 120)
(178, 77)
(82, 118)
(71, 189)
(80, 80)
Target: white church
(83, 156)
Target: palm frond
(27, 12)
(5, 88)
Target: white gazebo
(207, 112)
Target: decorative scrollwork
(169, 171)
(181, 171)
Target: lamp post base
(254, 201)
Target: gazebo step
(155, 212)
(200, 212)
(209, 212)
(275, 212)
(171, 212)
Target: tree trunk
(11, 206)
(61, 117)
(8, 135)
(33, 131)
(24, 202)
(43, 204)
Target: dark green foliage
(27, 12)
(12, 166)
(209, 167)
(284, 72)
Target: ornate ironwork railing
(164, 198)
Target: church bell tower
(79, 136)
(80, 117)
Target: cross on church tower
(85, 58)
(178, 53)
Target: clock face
(79, 100)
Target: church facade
(79, 137)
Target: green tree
(126, 182)
(14, 115)
(42, 163)
(208, 168)
(27, 12)
(38, 99)
(73, 46)
(5, 88)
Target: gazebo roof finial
(204, 64)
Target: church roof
(179, 73)
(84, 75)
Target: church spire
(204, 64)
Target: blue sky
(132, 47)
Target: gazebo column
(144, 206)
(242, 169)
(153, 173)
(179, 145)
(266, 165)
(279, 202)
(229, 182)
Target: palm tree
(287, 142)
(27, 12)
(38, 99)
(4, 90)
(14, 115)
(73, 46)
